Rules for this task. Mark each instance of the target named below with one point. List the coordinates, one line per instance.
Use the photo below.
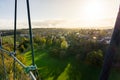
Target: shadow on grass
(58, 69)
(50, 68)
(83, 72)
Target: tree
(95, 58)
(64, 44)
(49, 42)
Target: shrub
(62, 54)
(95, 58)
(58, 53)
(54, 52)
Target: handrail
(27, 69)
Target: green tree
(49, 42)
(64, 44)
(95, 58)
(43, 40)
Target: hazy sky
(79, 11)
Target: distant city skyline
(61, 13)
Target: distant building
(26, 35)
(106, 40)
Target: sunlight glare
(93, 11)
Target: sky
(61, 13)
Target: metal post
(30, 32)
(15, 25)
(112, 49)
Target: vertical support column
(15, 25)
(30, 32)
(35, 72)
(112, 49)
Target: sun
(93, 11)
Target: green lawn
(65, 69)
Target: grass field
(65, 69)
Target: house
(105, 40)
(25, 35)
